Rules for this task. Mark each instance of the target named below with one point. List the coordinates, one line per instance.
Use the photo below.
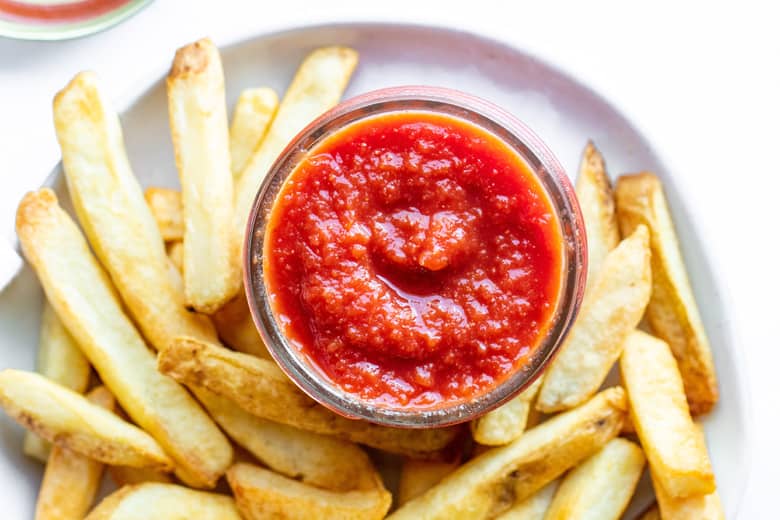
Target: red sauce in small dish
(59, 12)
(414, 259)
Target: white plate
(561, 110)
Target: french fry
(114, 214)
(533, 507)
(613, 306)
(262, 494)
(672, 311)
(652, 513)
(165, 205)
(61, 360)
(260, 388)
(254, 111)
(71, 479)
(125, 475)
(418, 476)
(319, 460)
(699, 507)
(58, 413)
(163, 502)
(236, 328)
(675, 450)
(594, 193)
(81, 293)
(490, 483)
(317, 86)
(602, 486)
(507, 422)
(199, 127)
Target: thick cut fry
(418, 476)
(260, 388)
(317, 86)
(114, 214)
(533, 507)
(262, 494)
(58, 413)
(81, 293)
(71, 479)
(488, 484)
(653, 514)
(672, 311)
(199, 127)
(236, 328)
(164, 502)
(165, 205)
(175, 251)
(613, 306)
(506, 423)
(61, 360)
(675, 450)
(319, 460)
(252, 116)
(602, 486)
(125, 475)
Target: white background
(702, 80)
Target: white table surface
(701, 81)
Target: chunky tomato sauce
(414, 259)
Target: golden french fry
(254, 111)
(199, 127)
(533, 507)
(613, 306)
(672, 311)
(84, 299)
(317, 86)
(652, 513)
(699, 507)
(114, 214)
(594, 193)
(262, 494)
(125, 475)
(675, 450)
(164, 502)
(175, 251)
(71, 479)
(236, 328)
(602, 486)
(507, 422)
(418, 476)
(260, 388)
(165, 205)
(58, 413)
(319, 460)
(490, 483)
(61, 360)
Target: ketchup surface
(414, 259)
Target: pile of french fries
(191, 418)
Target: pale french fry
(533, 507)
(594, 193)
(652, 514)
(71, 479)
(254, 111)
(490, 483)
(317, 86)
(675, 450)
(199, 127)
(418, 476)
(602, 486)
(506, 423)
(125, 475)
(175, 251)
(319, 460)
(61, 360)
(236, 328)
(114, 214)
(164, 502)
(612, 308)
(262, 494)
(259, 387)
(84, 299)
(672, 311)
(58, 413)
(165, 205)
